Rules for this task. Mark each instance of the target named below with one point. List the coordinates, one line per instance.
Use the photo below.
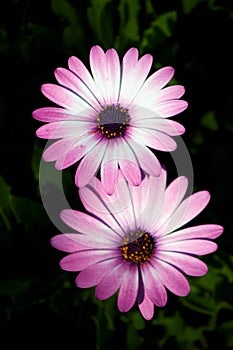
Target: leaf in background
(29, 213)
(100, 19)
(209, 120)
(189, 5)
(73, 34)
(159, 30)
(128, 27)
(35, 162)
(5, 202)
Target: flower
(131, 242)
(112, 118)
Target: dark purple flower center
(112, 121)
(138, 246)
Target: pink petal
(188, 264)
(171, 278)
(189, 246)
(133, 79)
(153, 84)
(82, 259)
(173, 196)
(211, 231)
(98, 68)
(58, 148)
(167, 126)
(65, 243)
(188, 210)
(68, 79)
(111, 282)
(169, 93)
(128, 163)
(93, 274)
(76, 151)
(169, 108)
(129, 289)
(146, 158)
(88, 225)
(96, 205)
(109, 168)
(90, 164)
(64, 97)
(146, 308)
(153, 285)
(155, 200)
(139, 195)
(113, 75)
(55, 114)
(69, 128)
(77, 67)
(153, 138)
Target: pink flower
(110, 119)
(132, 242)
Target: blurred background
(39, 303)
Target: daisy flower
(112, 118)
(132, 242)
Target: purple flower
(112, 118)
(131, 241)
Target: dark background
(39, 303)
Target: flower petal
(169, 108)
(64, 97)
(174, 194)
(77, 67)
(82, 259)
(146, 308)
(111, 282)
(133, 79)
(98, 68)
(189, 246)
(109, 168)
(65, 243)
(71, 81)
(129, 289)
(93, 274)
(171, 277)
(146, 158)
(89, 226)
(55, 114)
(188, 264)
(90, 164)
(69, 128)
(188, 210)
(128, 163)
(113, 76)
(76, 151)
(153, 138)
(153, 285)
(210, 231)
(154, 83)
(167, 126)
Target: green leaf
(209, 120)
(100, 20)
(5, 191)
(29, 213)
(129, 28)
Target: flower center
(138, 246)
(112, 121)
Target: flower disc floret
(138, 247)
(112, 121)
